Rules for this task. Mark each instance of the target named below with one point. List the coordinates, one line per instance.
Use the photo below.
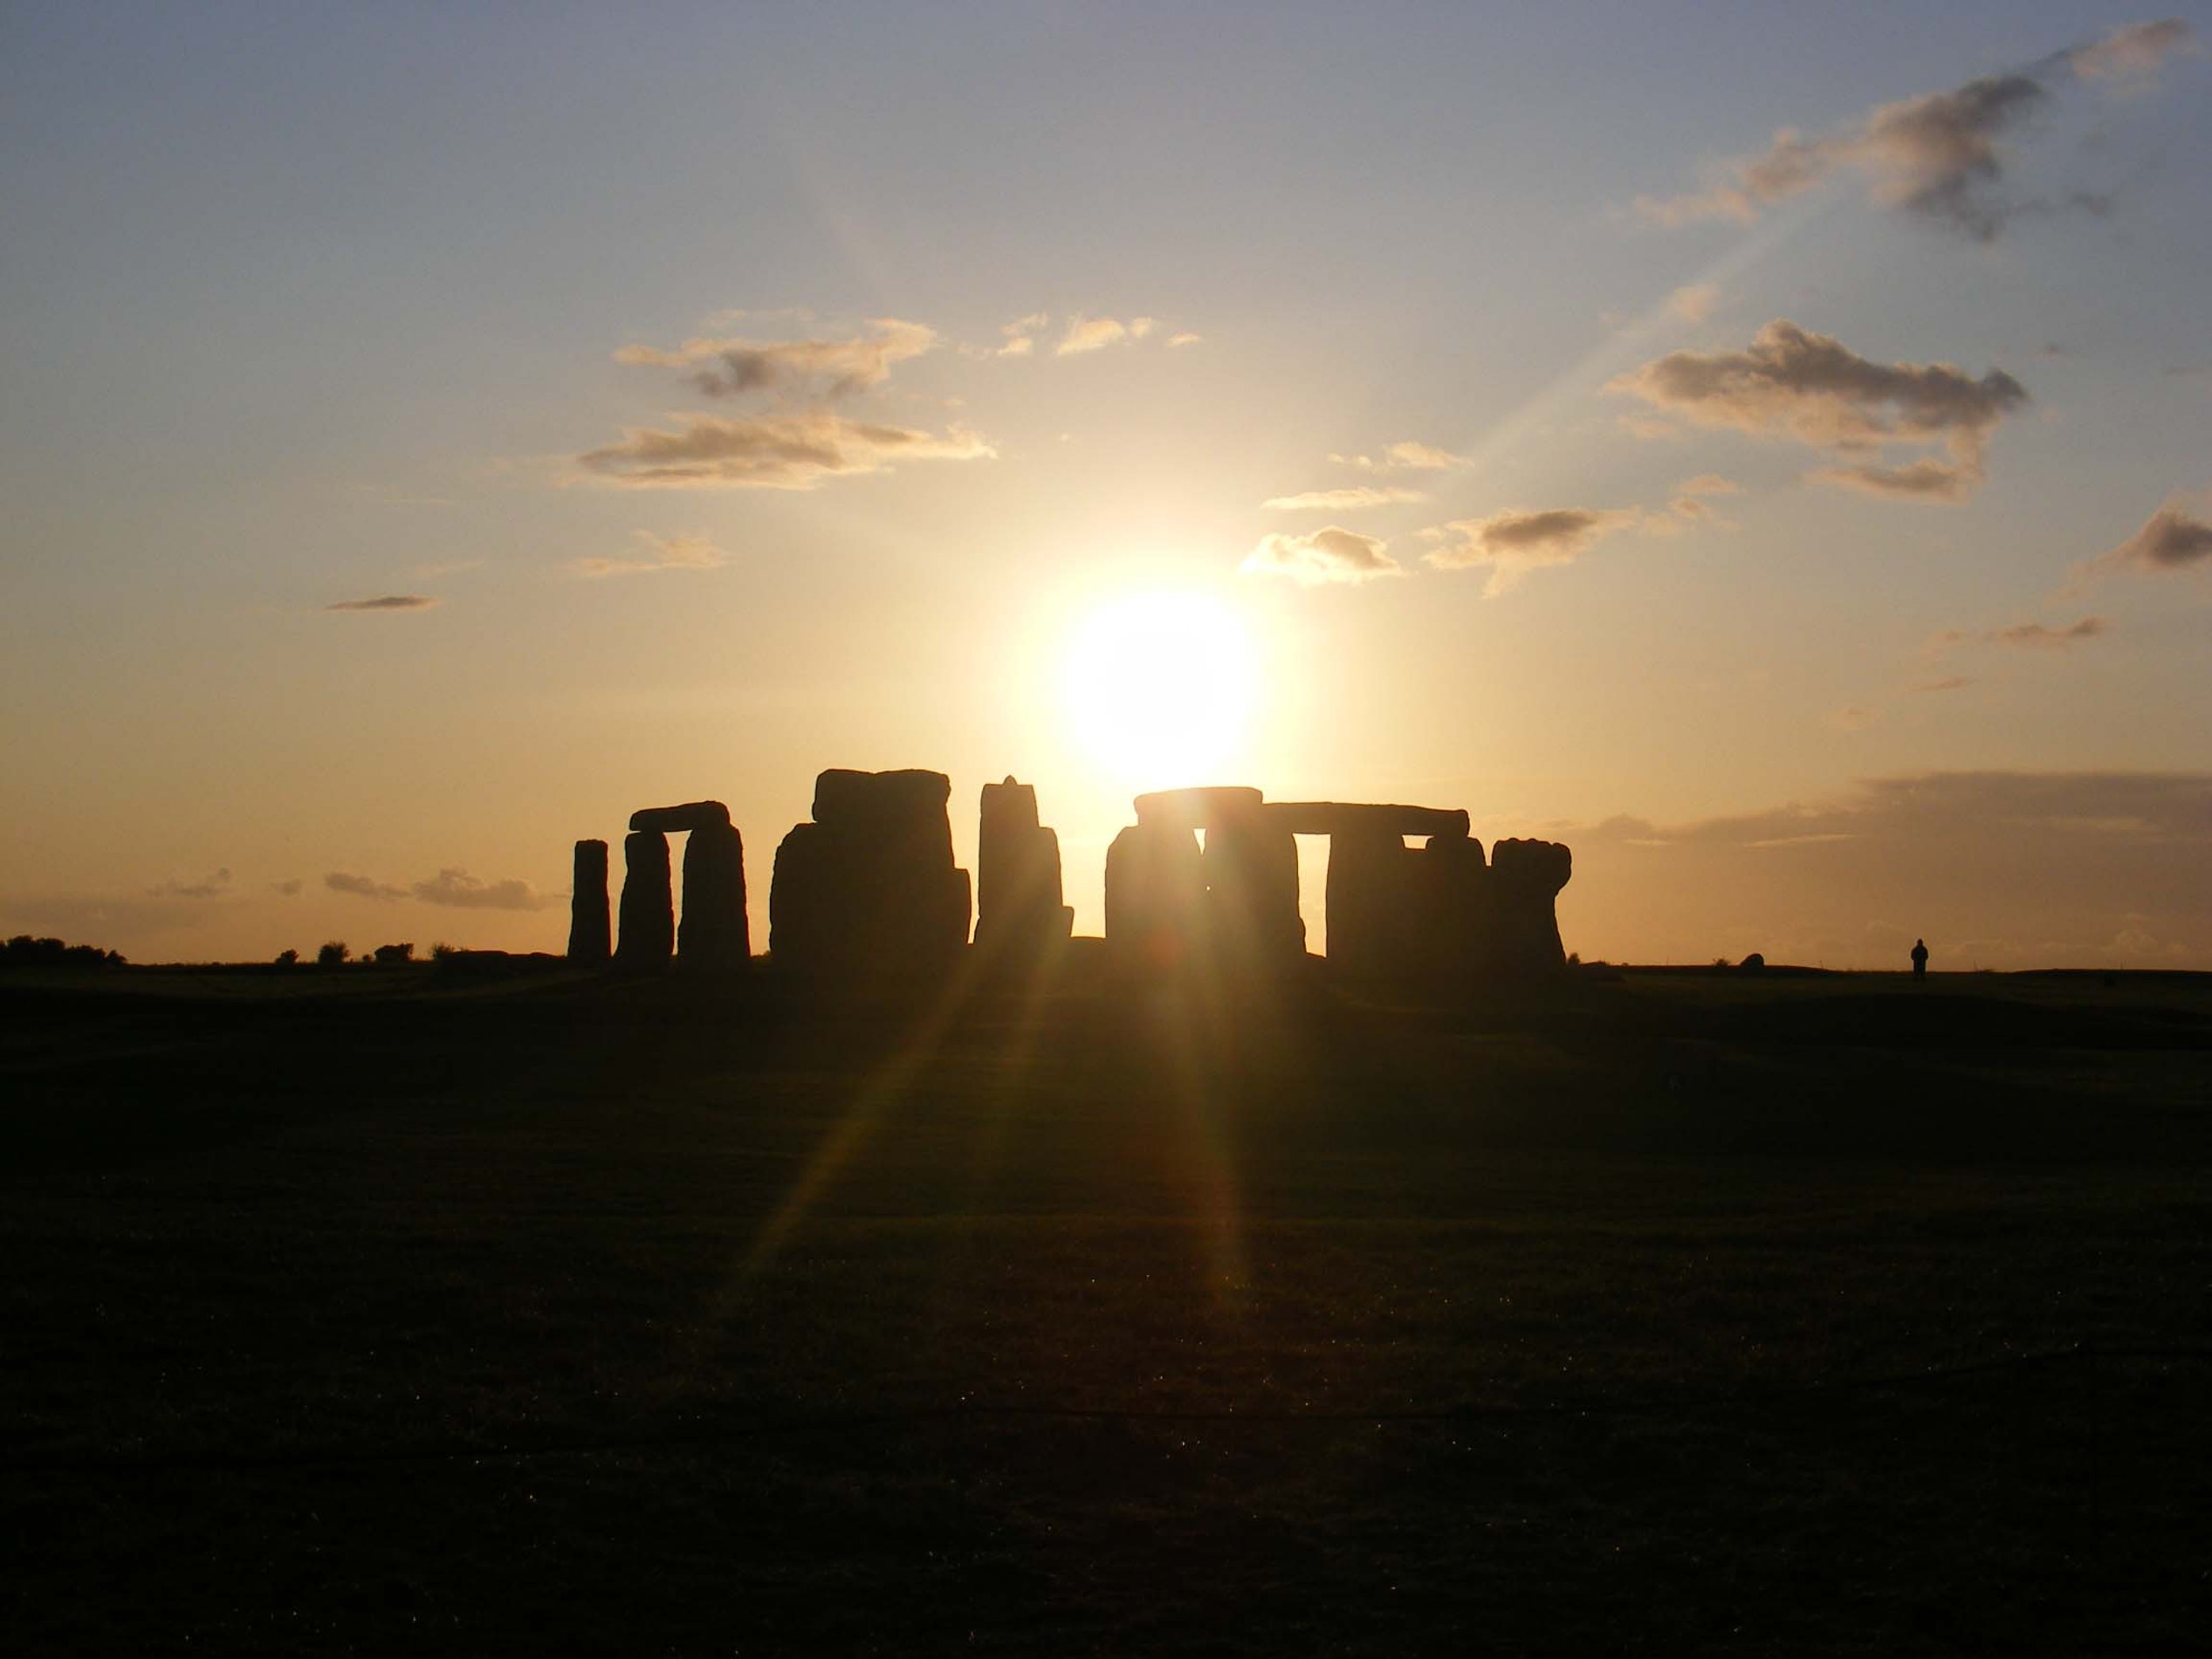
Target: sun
(1157, 687)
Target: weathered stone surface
(675, 820)
(1019, 912)
(648, 910)
(1362, 818)
(869, 889)
(1525, 880)
(1195, 809)
(715, 932)
(589, 934)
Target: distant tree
(443, 952)
(23, 950)
(287, 958)
(390, 955)
(333, 953)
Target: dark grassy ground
(402, 1311)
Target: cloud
(1020, 335)
(1090, 334)
(386, 602)
(1689, 506)
(216, 886)
(459, 890)
(1185, 338)
(2037, 635)
(1941, 155)
(362, 886)
(1792, 383)
(1331, 555)
(288, 888)
(1140, 327)
(832, 368)
(1948, 683)
(2132, 52)
(660, 552)
(1343, 500)
(1407, 455)
(793, 451)
(2170, 540)
(1514, 543)
(1694, 302)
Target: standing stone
(1019, 912)
(1155, 893)
(1251, 867)
(588, 940)
(649, 908)
(715, 933)
(869, 889)
(1455, 936)
(1374, 904)
(1525, 880)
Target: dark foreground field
(389, 1313)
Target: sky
(1768, 451)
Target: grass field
(402, 1310)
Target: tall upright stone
(1251, 866)
(1154, 897)
(589, 943)
(715, 932)
(1525, 880)
(1019, 912)
(648, 910)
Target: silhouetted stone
(1251, 867)
(1155, 894)
(1525, 879)
(1333, 819)
(1019, 912)
(1375, 908)
(714, 933)
(1754, 964)
(1195, 809)
(1453, 938)
(648, 910)
(675, 820)
(589, 940)
(869, 887)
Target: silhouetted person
(1919, 958)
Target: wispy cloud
(1941, 155)
(1343, 500)
(656, 554)
(1694, 303)
(772, 451)
(1792, 383)
(287, 888)
(833, 368)
(2172, 539)
(1090, 334)
(1324, 556)
(362, 886)
(1948, 683)
(2037, 636)
(459, 890)
(1186, 338)
(216, 886)
(1020, 334)
(386, 602)
(1406, 456)
(1514, 543)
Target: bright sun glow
(1157, 687)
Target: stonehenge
(868, 889)
(1019, 912)
(1205, 880)
(590, 940)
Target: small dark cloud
(216, 886)
(288, 888)
(362, 886)
(1331, 555)
(1792, 383)
(1517, 541)
(1949, 682)
(831, 368)
(459, 890)
(2170, 540)
(386, 602)
(770, 452)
